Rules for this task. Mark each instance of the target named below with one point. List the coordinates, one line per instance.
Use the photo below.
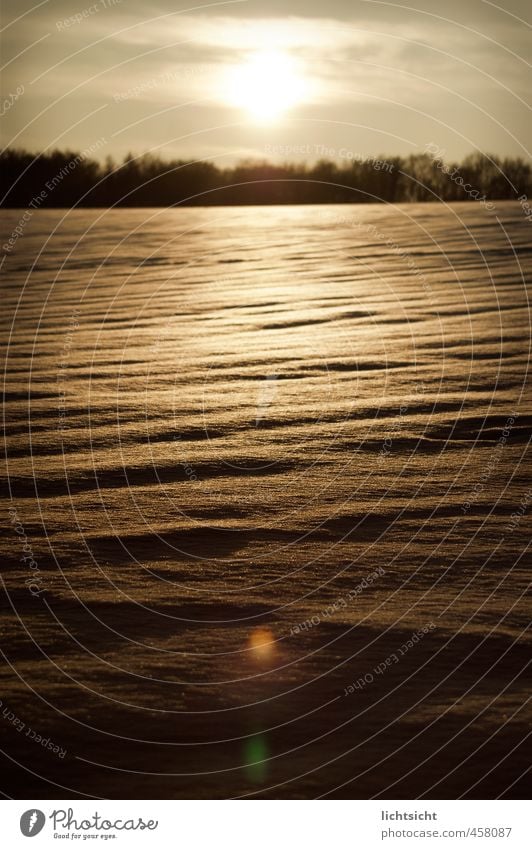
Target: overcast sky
(373, 77)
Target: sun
(266, 86)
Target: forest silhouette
(67, 179)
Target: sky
(278, 80)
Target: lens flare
(256, 757)
(262, 644)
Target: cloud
(357, 58)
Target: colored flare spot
(262, 644)
(255, 758)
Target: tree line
(67, 178)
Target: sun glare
(267, 85)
